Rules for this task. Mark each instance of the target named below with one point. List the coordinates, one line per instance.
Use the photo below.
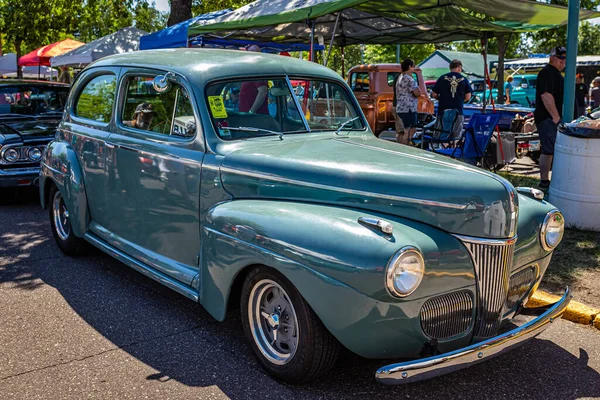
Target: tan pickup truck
(372, 86)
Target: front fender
(61, 167)
(337, 265)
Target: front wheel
(60, 221)
(286, 336)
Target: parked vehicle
(523, 93)
(325, 236)
(373, 87)
(29, 114)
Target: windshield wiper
(252, 129)
(344, 124)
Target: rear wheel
(60, 221)
(286, 336)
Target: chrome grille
(448, 315)
(493, 261)
(520, 283)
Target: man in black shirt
(581, 96)
(452, 90)
(548, 108)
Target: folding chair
(439, 132)
(475, 140)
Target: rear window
(359, 81)
(95, 102)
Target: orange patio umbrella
(42, 55)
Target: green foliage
(27, 25)
(588, 34)
(204, 6)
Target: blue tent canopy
(176, 35)
(267, 47)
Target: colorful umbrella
(42, 55)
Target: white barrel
(575, 186)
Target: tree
(204, 6)
(148, 18)
(181, 10)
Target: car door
(153, 191)
(87, 125)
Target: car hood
(27, 131)
(368, 173)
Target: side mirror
(161, 83)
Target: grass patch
(520, 180)
(578, 252)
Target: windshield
(242, 109)
(32, 99)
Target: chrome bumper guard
(417, 370)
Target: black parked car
(29, 114)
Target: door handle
(110, 145)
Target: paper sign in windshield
(217, 107)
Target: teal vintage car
(289, 208)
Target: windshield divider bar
(292, 93)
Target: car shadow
(181, 341)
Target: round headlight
(34, 154)
(552, 230)
(405, 271)
(11, 155)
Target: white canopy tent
(8, 69)
(123, 41)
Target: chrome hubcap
(61, 217)
(273, 322)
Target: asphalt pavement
(90, 327)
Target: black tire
(316, 350)
(65, 239)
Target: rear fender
(61, 167)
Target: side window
(359, 82)
(392, 75)
(169, 113)
(96, 100)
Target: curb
(576, 312)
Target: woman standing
(407, 94)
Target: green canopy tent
(384, 21)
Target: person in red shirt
(253, 94)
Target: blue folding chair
(440, 131)
(475, 140)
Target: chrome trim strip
(17, 172)
(417, 370)
(344, 190)
(486, 241)
(145, 153)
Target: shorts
(409, 119)
(547, 130)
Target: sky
(162, 5)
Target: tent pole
(312, 40)
(571, 66)
(397, 54)
(343, 64)
(332, 37)
(484, 54)
(39, 67)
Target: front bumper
(19, 177)
(417, 370)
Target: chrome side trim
(146, 153)
(345, 190)
(417, 370)
(485, 241)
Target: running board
(150, 272)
